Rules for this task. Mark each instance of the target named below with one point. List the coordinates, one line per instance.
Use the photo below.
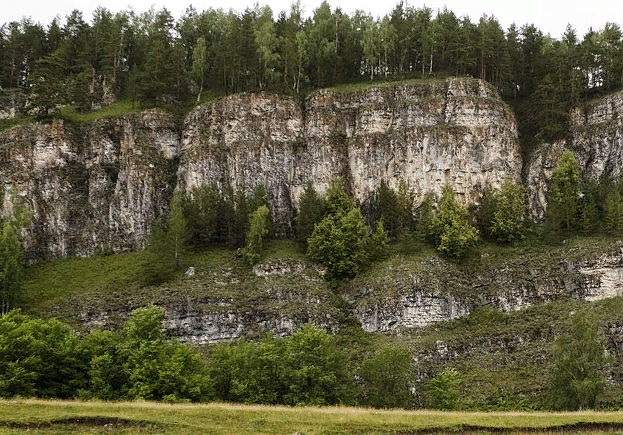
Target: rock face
(102, 185)
(433, 290)
(12, 104)
(92, 187)
(457, 132)
(597, 142)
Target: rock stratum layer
(102, 185)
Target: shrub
(340, 243)
(444, 390)
(314, 369)
(386, 379)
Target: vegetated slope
(462, 315)
(81, 417)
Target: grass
(362, 86)
(5, 124)
(118, 109)
(17, 416)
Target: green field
(52, 417)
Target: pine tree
(614, 212)
(563, 197)
(453, 233)
(312, 209)
(177, 227)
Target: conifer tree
(563, 197)
(453, 233)
(614, 212)
(312, 209)
(177, 227)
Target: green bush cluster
(45, 358)
(341, 241)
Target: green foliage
(256, 236)
(444, 390)
(201, 208)
(11, 269)
(577, 377)
(306, 368)
(177, 227)
(510, 210)
(166, 250)
(425, 214)
(158, 264)
(314, 369)
(589, 214)
(378, 249)
(312, 210)
(155, 370)
(563, 197)
(338, 201)
(614, 212)
(387, 379)
(340, 243)
(248, 372)
(486, 211)
(36, 357)
(453, 233)
(45, 358)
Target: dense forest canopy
(154, 58)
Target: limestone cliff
(457, 132)
(91, 187)
(102, 185)
(596, 140)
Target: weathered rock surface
(457, 132)
(433, 290)
(220, 303)
(90, 187)
(103, 184)
(12, 104)
(597, 142)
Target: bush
(444, 390)
(314, 369)
(44, 358)
(340, 243)
(37, 358)
(386, 379)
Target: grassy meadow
(58, 417)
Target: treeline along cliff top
(155, 59)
